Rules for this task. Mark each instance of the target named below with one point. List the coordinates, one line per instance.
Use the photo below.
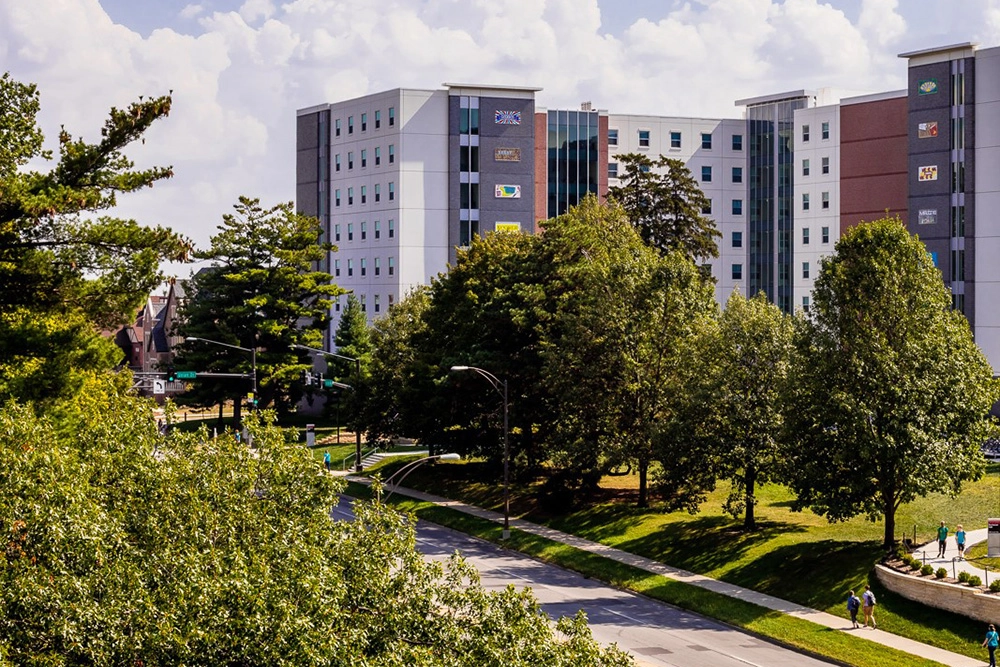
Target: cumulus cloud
(240, 68)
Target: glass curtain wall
(573, 153)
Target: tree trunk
(750, 479)
(238, 413)
(889, 509)
(643, 469)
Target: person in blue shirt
(326, 460)
(960, 540)
(991, 641)
(853, 605)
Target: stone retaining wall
(959, 598)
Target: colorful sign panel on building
(928, 173)
(507, 117)
(927, 216)
(507, 154)
(508, 226)
(927, 86)
(508, 191)
(927, 130)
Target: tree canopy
(889, 396)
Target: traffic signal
(171, 374)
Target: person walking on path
(991, 641)
(853, 605)
(326, 460)
(942, 539)
(960, 540)
(868, 602)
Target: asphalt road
(655, 633)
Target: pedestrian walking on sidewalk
(991, 641)
(853, 605)
(868, 604)
(942, 539)
(960, 540)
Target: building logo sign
(927, 173)
(927, 216)
(927, 87)
(507, 154)
(508, 226)
(927, 130)
(507, 117)
(508, 191)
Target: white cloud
(191, 11)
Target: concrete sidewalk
(766, 601)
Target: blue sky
(240, 68)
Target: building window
(392, 116)
(805, 133)
(336, 125)
(364, 122)
(364, 158)
(737, 207)
(336, 162)
(707, 208)
(826, 165)
(643, 138)
(737, 142)
(336, 232)
(350, 159)
(350, 267)
(825, 233)
(805, 303)
(337, 306)
(364, 301)
(364, 230)
(377, 266)
(805, 167)
(392, 152)
(336, 267)
(468, 195)
(825, 200)
(737, 238)
(376, 302)
(378, 192)
(737, 272)
(392, 266)
(378, 155)
(390, 299)
(392, 190)
(392, 228)
(612, 137)
(805, 269)
(364, 266)
(737, 174)
(706, 174)
(378, 228)
(364, 194)
(468, 159)
(805, 236)
(825, 130)
(612, 170)
(675, 139)
(805, 201)
(706, 141)
(350, 196)
(350, 231)
(350, 124)
(336, 197)
(378, 118)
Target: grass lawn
(798, 556)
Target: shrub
(914, 563)
(941, 573)
(964, 577)
(926, 569)
(995, 586)
(974, 580)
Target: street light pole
(357, 380)
(253, 358)
(501, 387)
(410, 467)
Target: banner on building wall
(934, 257)
(927, 216)
(928, 173)
(927, 86)
(508, 191)
(927, 130)
(507, 154)
(507, 117)
(508, 226)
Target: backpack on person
(869, 599)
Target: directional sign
(186, 375)
(159, 387)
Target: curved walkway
(766, 601)
(928, 553)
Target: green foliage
(889, 395)
(975, 581)
(964, 577)
(941, 573)
(995, 586)
(262, 290)
(126, 547)
(58, 264)
(665, 204)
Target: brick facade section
(873, 161)
(541, 166)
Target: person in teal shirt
(991, 641)
(942, 539)
(960, 540)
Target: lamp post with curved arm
(251, 350)
(501, 387)
(410, 467)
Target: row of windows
(824, 131)
(736, 175)
(338, 126)
(363, 300)
(736, 272)
(824, 166)
(824, 236)
(363, 266)
(676, 139)
(337, 162)
(363, 230)
(377, 192)
(824, 200)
